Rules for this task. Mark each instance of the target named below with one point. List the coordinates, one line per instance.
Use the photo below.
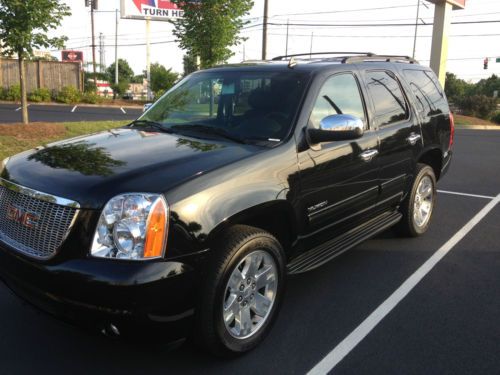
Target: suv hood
(92, 169)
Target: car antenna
(292, 63)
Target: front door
(338, 179)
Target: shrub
(69, 95)
(478, 105)
(13, 93)
(3, 93)
(496, 118)
(40, 95)
(91, 98)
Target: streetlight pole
(92, 7)
(416, 29)
(116, 49)
(264, 30)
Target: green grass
(15, 138)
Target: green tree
(125, 76)
(210, 27)
(456, 88)
(162, 79)
(189, 63)
(23, 27)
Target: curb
(478, 127)
(137, 106)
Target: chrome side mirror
(337, 128)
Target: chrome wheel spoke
(261, 305)
(265, 275)
(231, 308)
(254, 263)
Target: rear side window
(431, 100)
(389, 101)
(339, 95)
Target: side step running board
(327, 251)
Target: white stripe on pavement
(74, 108)
(356, 336)
(123, 110)
(465, 194)
(18, 109)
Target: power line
(378, 24)
(344, 10)
(380, 36)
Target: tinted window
(430, 98)
(339, 94)
(389, 101)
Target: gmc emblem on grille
(20, 216)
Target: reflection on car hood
(92, 169)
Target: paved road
(10, 113)
(448, 324)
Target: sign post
(440, 34)
(149, 10)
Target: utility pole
(102, 53)
(148, 59)
(116, 49)
(416, 29)
(286, 44)
(311, 50)
(264, 30)
(93, 6)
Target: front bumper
(133, 296)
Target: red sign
(72, 56)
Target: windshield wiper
(151, 124)
(209, 130)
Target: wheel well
(434, 159)
(277, 220)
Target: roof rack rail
(386, 58)
(279, 58)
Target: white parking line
(74, 108)
(465, 194)
(18, 109)
(123, 110)
(356, 336)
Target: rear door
(398, 132)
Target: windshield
(242, 106)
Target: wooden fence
(53, 75)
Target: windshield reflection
(245, 105)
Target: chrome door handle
(368, 155)
(413, 138)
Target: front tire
(242, 292)
(418, 206)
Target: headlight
(133, 227)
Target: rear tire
(418, 206)
(245, 278)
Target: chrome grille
(42, 239)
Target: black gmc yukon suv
(190, 218)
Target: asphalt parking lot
(446, 322)
(11, 113)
